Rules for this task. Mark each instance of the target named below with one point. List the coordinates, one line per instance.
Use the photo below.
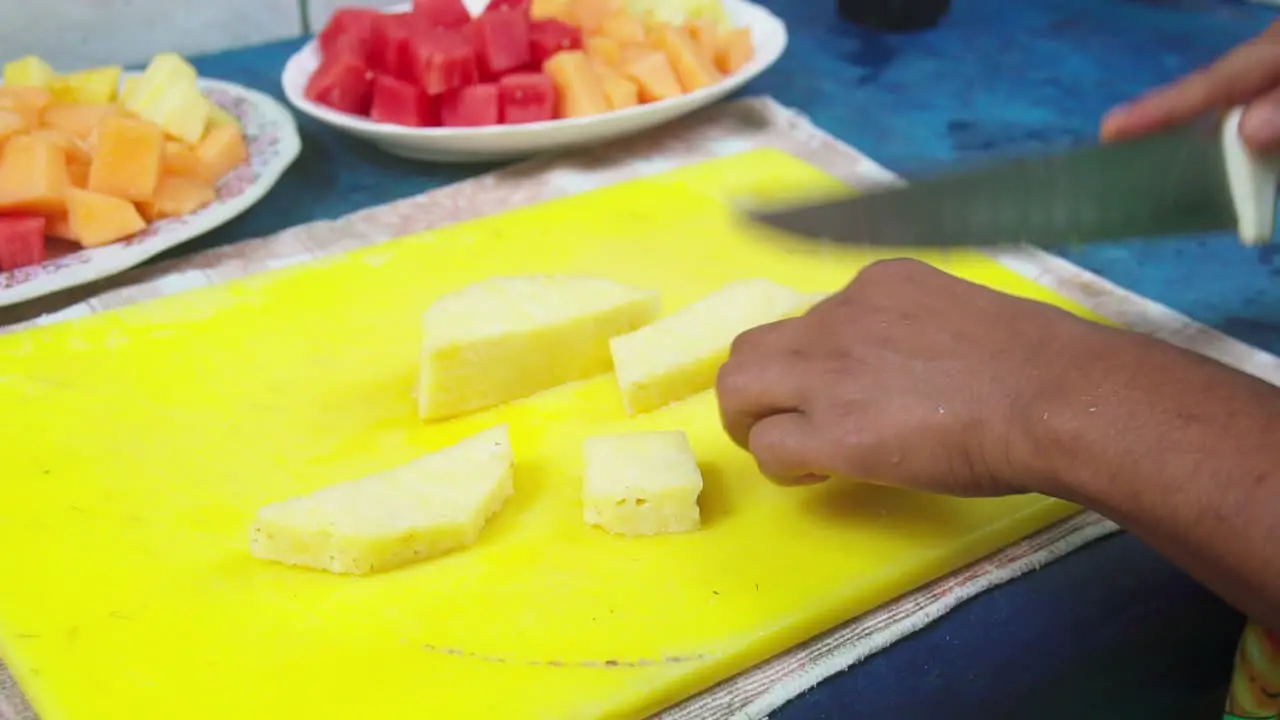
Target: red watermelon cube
(471, 106)
(445, 61)
(392, 50)
(400, 102)
(442, 13)
(342, 83)
(349, 30)
(21, 241)
(501, 41)
(527, 97)
(518, 5)
(548, 37)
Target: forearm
(1181, 451)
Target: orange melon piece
(734, 49)
(705, 32)
(549, 10)
(176, 196)
(590, 14)
(28, 101)
(126, 158)
(652, 72)
(619, 91)
(180, 159)
(222, 150)
(98, 219)
(33, 176)
(76, 119)
(59, 226)
(577, 86)
(11, 123)
(624, 28)
(605, 49)
(78, 174)
(688, 60)
(69, 144)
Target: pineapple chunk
(679, 355)
(168, 96)
(641, 483)
(218, 116)
(507, 338)
(431, 506)
(90, 87)
(29, 70)
(128, 88)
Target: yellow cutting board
(137, 445)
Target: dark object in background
(894, 15)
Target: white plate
(272, 136)
(504, 142)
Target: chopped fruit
(623, 28)
(21, 241)
(78, 174)
(605, 49)
(527, 97)
(29, 70)
(343, 83)
(501, 41)
(641, 483)
(548, 37)
(430, 506)
(181, 112)
(399, 102)
(98, 85)
(11, 123)
(349, 30)
(734, 49)
(619, 91)
(219, 116)
(652, 72)
(59, 228)
(520, 6)
(471, 106)
(165, 72)
(97, 219)
(577, 87)
(441, 13)
(706, 33)
(691, 64)
(77, 119)
(549, 9)
(222, 150)
(446, 62)
(28, 101)
(176, 196)
(590, 14)
(478, 340)
(680, 354)
(180, 158)
(126, 159)
(33, 176)
(75, 152)
(393, 47)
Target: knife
(1197, 177)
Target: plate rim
(288, 150)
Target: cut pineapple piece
(91, 87)
(182, 112)
(642, 483)
(506, 338)
(431, 506)
(218, 116)
(678, 12)
(679, 355)
(29, 70)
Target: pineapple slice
(128, 88)
(431, 506)
(507, 338)
(679, 355)
(168, 96)
(29, 70)
(218, 116)
(641, 483)
(90, 87)
(679, 12)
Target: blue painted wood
(1113, 630)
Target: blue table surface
(1112, 630)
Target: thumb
(787, 449)
(1260, 124)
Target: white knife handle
(1253, 180)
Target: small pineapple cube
(641, 483)
(433, 505)
(218, 116)
(128, 88)
(680, 354)
(29, 70)
(90, 87)
(182, 112)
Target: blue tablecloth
(1112, 631)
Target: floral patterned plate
(272, 136)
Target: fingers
(1260, 124)
(764, 375)
(787, 449)
(1241, 75)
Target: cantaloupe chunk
(624, 28)
(705, 32)
(618, 90)
(604, 49)
(549, 10)
(78, 119)
(11, 123)
(181, 159)
(98, 219)
(222, 150)
(126, 158)
(78, 174)
(176, 196)
(590, 14)
(76, 153)
(578, 88)
(33, 176)
(688, 60)
(652, 72)
(734, 49)
(59, 226)
(29, 102)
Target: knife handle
(1253, 180)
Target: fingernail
(806, 479)
(1260, 126)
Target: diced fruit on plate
(550, 36)
(21, 241)
(442, 13)
(477, 341)
(527, 97)
(400, 102)
(342, 82)
(471, 106)
(436, 504)
(350, 30)
(501, 40)
(578, 86)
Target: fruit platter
(101, 169)
(442, 80)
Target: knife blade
(1198, 177)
